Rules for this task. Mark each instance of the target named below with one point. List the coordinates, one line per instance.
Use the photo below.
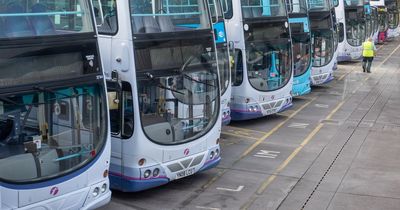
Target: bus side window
(120, 102)
(107, 24)
(113, 95)
(341, 32)
(227, 8)
(127, 111)
(237, 73)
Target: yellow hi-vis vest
(368, 49)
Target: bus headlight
(217, 152)
(104, 188)
(212, 155)
(156, 172)
(251, 108)
(146, 174)
(96, 191)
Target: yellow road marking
(244, 129)
(273, 130)
(270, 179)
(387, 58)
(335, 110)
(239, 135)
(282, 166)
(285, 163)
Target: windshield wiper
(195, 80)
(160, 85)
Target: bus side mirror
(113, 100)
(113, 94)
(231, 46)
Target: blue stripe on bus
(303, 20)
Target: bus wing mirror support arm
(231, 46)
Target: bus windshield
(259, 8)
(158, 16)
(319, 5)
(375, 19)
(323, 47)
(368, 26)
(268, 56)
(383, 22)
(46, 133)
(301, 53)
(224, 68)
(353, 2)
(355, 27)
(26, 18)
(297, 6)
(393, 20)
(178, 89)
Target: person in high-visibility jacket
(368, 54)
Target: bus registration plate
(185, 173)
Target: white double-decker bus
(164, 94)
(393, 18)
(54, 148)
(262, 76)
(351, 16)
(324, 44)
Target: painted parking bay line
(242, 132)
(273, 130)
(238, 189)
(264, 185)
(208, 208)
(324, 106)
(245, 153)
(298, 125)
(244, 129)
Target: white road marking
(240, 188)
(298, 125)
(267, 154)
(322, 106)
(205, 207)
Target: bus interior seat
(42, 24)
(17, 26)
(165, 24)
(247, 13)
(19, 167)
(150, 24)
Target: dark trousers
(366, 64)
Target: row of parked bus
(130, 95)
